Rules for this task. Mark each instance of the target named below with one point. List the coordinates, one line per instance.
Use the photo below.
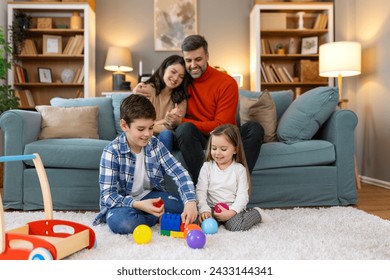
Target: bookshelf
(277, 33)
(52, 44)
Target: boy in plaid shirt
(132, 169)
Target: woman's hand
(146, 90)
(147, 206)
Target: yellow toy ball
(142, 234)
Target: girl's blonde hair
(233, 136)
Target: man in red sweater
(213, 101)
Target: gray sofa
(315, 172)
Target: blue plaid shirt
(116, 177)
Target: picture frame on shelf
(52, 44)
(45, 75)
(309, 45)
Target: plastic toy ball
(142, 234)
(196, 239)
(209, 226)
(220, 204)
(191, 227)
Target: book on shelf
(21, 75)
(80, 79)
(290, 78)
(76, 76)
(282, 75)
(29, 47)
(30, 99)
(26, 99)
(68, 45)
(79, 46)
(263, 75)
(321, 21)
(278, 79)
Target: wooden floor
(372, 199)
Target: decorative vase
(75, 21)
(67, 76)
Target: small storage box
(273, 21)
(308, 71)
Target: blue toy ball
(209, 226)
(196, 239)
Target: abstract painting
(173, 21)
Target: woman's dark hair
(179, 93)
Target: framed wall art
(309, 45)
(173, 21)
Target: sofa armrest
(339, 129)
(19, 128)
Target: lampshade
(340, 58)
(118, 59)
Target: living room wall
(224, 23)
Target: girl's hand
(148, 207)
(204, 216)
(224, 215)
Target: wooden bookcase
(274, 25)
(54, 24)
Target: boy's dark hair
(179, 93)
(136, 106)
(194, 42)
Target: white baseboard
(375, 182)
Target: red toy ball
(159, 203)
(220, 204)
(196, 239)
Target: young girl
(224, 177)
(168, 87)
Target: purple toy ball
(209, 226)
(196, 239)
(220, 204)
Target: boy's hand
(148, 206)
(190, 213)
(224, 215)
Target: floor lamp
(341, 59)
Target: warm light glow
(118, 59)
(340, 58)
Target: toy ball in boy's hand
(220, 204)
(196, 239)
(209, 226)
(158, 203)
(190, 227)
(142, 234)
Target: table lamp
(118, 60)
(340, 59)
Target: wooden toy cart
(43, 239)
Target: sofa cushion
(306, 114)
(106, 126)
(261, 110)
(68, 153)
(69, 122)
(116, 105)
(281, 98)
(305, 153)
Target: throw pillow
(106, 125)
(263, 111)
(306, 114)
(70, 122)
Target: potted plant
(8, 100)
(280, 48)
(19, 29)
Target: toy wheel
(40, 254)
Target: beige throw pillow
(263, 111)
(68, 122)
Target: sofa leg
(358, 185)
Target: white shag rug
(334, 233)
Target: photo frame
(309, 45)
(173, 21)
(52, 44)
(44, 75)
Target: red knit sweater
(213, 101)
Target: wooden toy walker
(43, 239)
